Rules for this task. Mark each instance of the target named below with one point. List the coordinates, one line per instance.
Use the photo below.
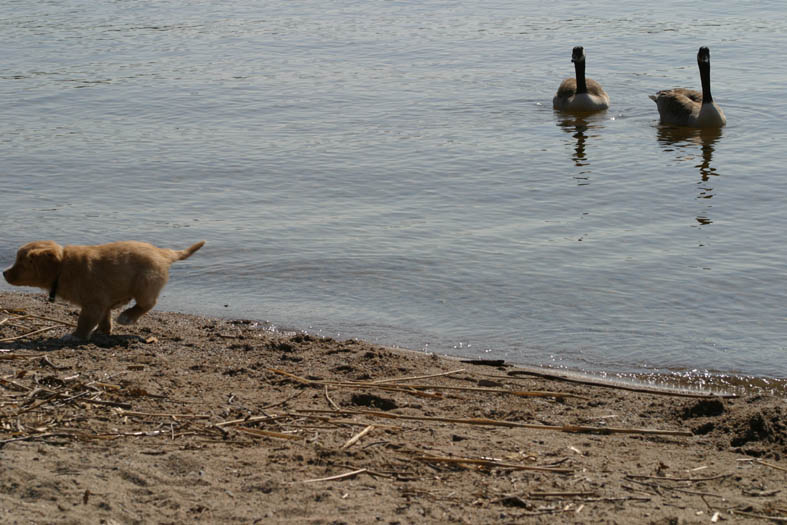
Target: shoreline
(183, 417)
(699, 381)
(718, 383)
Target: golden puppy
(97, 278)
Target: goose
(690, 108)
(580, 94)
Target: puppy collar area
(53, 290)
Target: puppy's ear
(46, 261)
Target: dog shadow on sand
(49, 344)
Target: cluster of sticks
(27, 325)
(38, 398)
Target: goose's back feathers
(678, 106)
(684, 107)
(568, 88)
(594, 88)
(567, 98)
(691, 94)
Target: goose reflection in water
(679, 139)
(581, 128)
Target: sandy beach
(183, 418)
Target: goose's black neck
(579, 67)
(705, 79)
(703, 61)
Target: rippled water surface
(393, 170)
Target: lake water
(394, 171)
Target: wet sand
(184, 418)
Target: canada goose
(580, 94)
(687, 107)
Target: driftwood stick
(619, 386)
(353, 440)
(485, 362)
(511, 424)
(488, 463)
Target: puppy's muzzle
(9, 276)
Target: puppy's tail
(179, 255)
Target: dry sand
(189, 419)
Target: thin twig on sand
(495, 464)
(337, 477)
(350, 442)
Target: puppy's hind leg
(131, 315)
(145, 298)
(144, 303)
